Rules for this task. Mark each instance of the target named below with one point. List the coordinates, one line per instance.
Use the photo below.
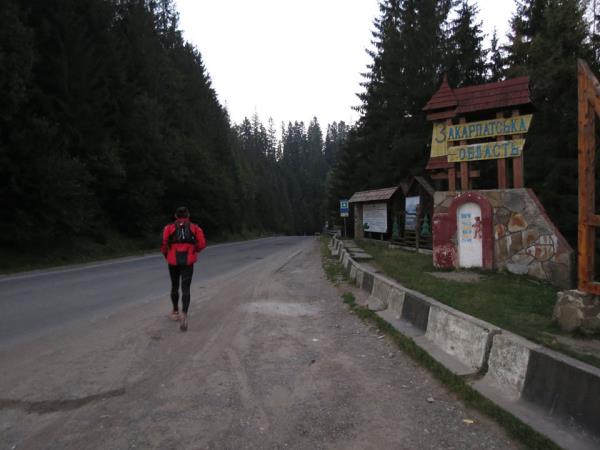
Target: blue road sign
(344, 208)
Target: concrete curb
(555, 394)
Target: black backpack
(182, 234)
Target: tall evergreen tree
(546, 41)
(466, 57)
(497, 60)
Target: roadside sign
(344, 208)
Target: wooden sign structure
(589, 221)
(495, 131)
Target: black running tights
(185, 273)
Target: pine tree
(467, 58)
(557, 34)
(497, 62)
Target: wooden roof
(447, 102)
(373, 195)
(424, 183)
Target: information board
(410, 213)
(375, 217)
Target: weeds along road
(272, 359)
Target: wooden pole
(452, 169)
(502, 174)
(586, 152)
(465, 182)
(518, 163)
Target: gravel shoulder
(272, 359)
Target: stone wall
(525, 241)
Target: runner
(181, 243)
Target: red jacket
(189, 252)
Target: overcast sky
(292, 60)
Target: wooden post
(586, 150)
(452, 169)
(465, 182)
(518, 163)
(502, 174)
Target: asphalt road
(35, 303)
(272, 360)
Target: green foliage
(466, 58)
(108, 121)
(547, 38)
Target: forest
(108, 120)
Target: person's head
(182, 213)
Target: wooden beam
(444, 176)
(518, 163)
(452, 178)
(501, 164)
(593, 221)
(587, 85)
(451, 170)
(465, 183)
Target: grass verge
(515, 303)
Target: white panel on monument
(469, 230)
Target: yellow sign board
(444, 133)
(486, 150)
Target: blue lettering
(496, 151)
(513, 125)
(499, 127)
(461, 153)
(523, 125)
(488, 151)
(515, 149)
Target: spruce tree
(557, 34)
(467, 57)
(497, 61)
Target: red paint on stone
(444, 256)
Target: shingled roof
(447, 102)
(373, 195)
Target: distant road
(35, 303)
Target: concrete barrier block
(459, 335)
(345, 258)
(564, 387)
(508, 362)
(415, 311)
(367, 283)
(381, 290)
(395, 302)
(360, 274)
(353, 272)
